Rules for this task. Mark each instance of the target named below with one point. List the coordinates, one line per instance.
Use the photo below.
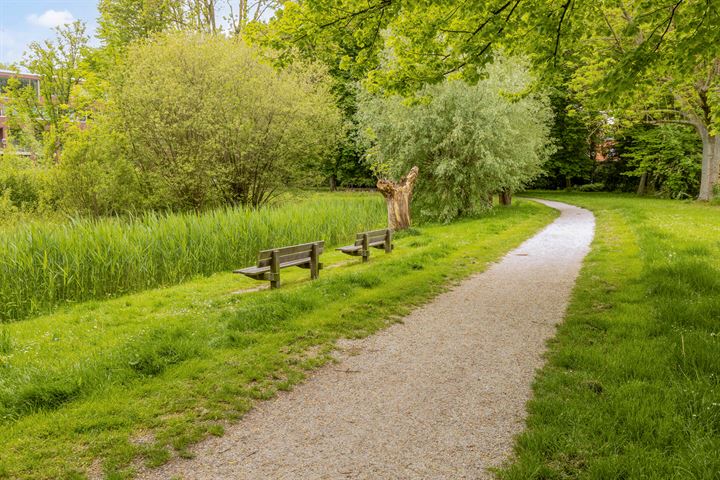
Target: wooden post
(365, 248)
(314, 261)
(388, 241)
(275, 269)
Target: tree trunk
(398, 196)
(642, 187)
(710, 165)
(489, 201)
(505, 198)
(333, 183)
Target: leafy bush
(95, 176)
(469, 141)
(23, 186)
(590, 187)
(208, 121)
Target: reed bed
(43, 266)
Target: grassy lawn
(632, 385)
(108, 385)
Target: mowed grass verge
(631, 389)
(108, 386)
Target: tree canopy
(469, 141)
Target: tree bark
(642, 186)
(710, 165)
(398, 196)
(505, 198)
(489, 201)
(711, 143)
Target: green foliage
(44, 264)
(208, 121)
(636, 60)
(469, 141)
(124, 21)
(170, 365)
(40, 118)
(25, 187)
(571, 133)
(669, 155)
(591, 187)
(95, 176)
(631, 386)
(347, 58)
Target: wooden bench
(365, 240)
(270, 262)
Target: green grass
(132, 380)
(46, 264)
(631, 389)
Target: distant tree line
(187, 105)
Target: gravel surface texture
(438, 396)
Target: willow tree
(469, 141)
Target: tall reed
(45, 265)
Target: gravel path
(438, 396)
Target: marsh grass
(5, 342)
(43, 265)
(173, 365)
(632, 385)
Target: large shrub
(95, 177)
(208, 121)
(469, 141)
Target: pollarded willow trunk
(505, 198)
(710, 166)
(398, 196)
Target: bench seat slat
(354, 250)
(376, 244)
(254, 272)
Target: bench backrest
(289, 254)
(373, 236)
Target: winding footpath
(438, 396)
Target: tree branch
(669, 23)
(559, 28)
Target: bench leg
(365, 248)
(314, 262)
(275, 269)
(388, 241)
